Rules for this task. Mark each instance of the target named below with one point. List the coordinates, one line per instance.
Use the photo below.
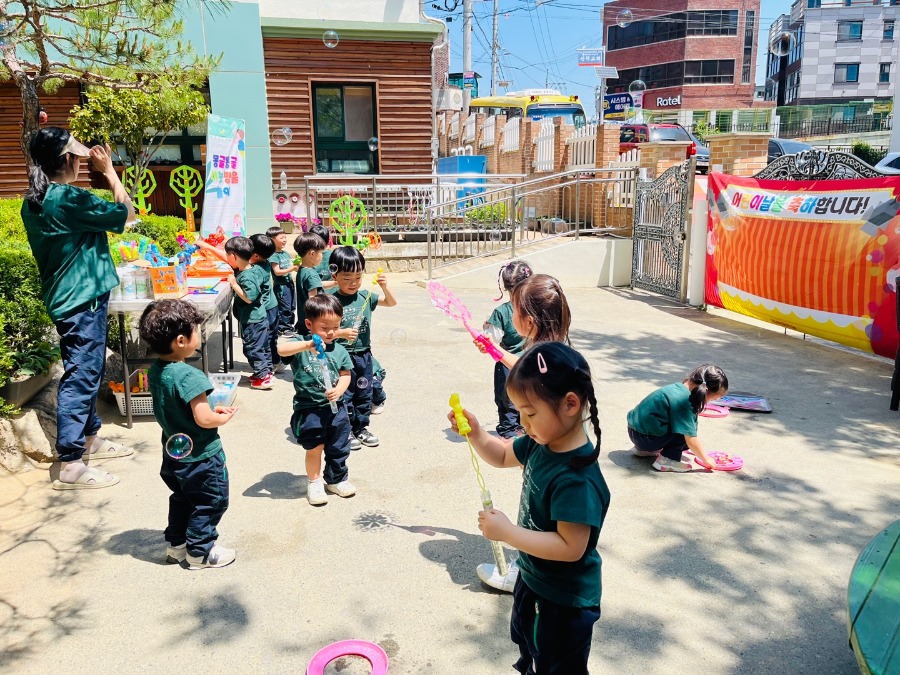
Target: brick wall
(739, 154)
(659, 156)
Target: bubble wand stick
(323, 368)
(462, 424)
(449, 304)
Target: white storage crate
(225, 386)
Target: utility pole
(495, 48)
(467, 49)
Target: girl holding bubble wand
(540, 313)
(564, 503)
(499, 327)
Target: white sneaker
(176, 554)
(488, 573)
(377, 409)
(315, 492)
(343, 489)
(218, 556)
(666, 464)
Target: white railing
(469, 129)
(454, 126)
(582, 148)
(510, 142)
(544, 147)
(487, 132)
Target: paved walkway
(724, 573)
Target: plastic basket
(141, 404)
(225, 389)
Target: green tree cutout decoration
(348, 216)
(186, 182)
(140, 189)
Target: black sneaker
(366, 437)
(354, 443)
(288, 333)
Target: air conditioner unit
(448, 99)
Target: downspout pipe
(443, 44)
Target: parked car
(702, 155)
(890, 163)
(778, 147)
(632, 135)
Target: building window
(849, 30)
(709, 72)
(887, 32)
(846, 72)
(672, 27)
(813, 4)
(344, 121)
(655, 77)
(749, 34)
(884, 73)
(712, 22)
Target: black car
(702, 155)
(779, 147)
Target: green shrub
(103, 194)
(163, 230)
(11, 226)
(866, 153)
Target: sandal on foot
(90, 479)
(107, 450)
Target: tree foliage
(119, 44)
(139, 121)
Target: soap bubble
(782, 43)
(333, 269)
(373, 143)
(496, 235)
(179, 446)
(330, 38)
(362, 383)
(493, 332)
(637, 87)
(624, 18)
(282, 136)
(398, 336)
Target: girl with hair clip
(556, 599)
(664, 424)
(500, 326)
(540, 313)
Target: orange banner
(820, 257)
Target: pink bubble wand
(449, 304)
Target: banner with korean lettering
(225, 192)
(820, 257)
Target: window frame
(324, 145)
(849, 37)
(884, 72)
(887, 29)
(846, 67)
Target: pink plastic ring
(713, 410)
(724, 462)
(375, 655)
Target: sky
(539, 40)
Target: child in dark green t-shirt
(309, 247)
(320, 423)
(198, 480)
(324, 267)
(263, 248)
(251, 285)
(556, 599)
(356, 333)
(500, 325)
(282, 282)
(664, 424)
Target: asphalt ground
(740, 572)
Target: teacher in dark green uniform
(66, 227)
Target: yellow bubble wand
(462, 424)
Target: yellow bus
(535, 104)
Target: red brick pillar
(739, 154)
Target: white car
(890, 163)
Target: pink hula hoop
(375, 655)
(712, 410)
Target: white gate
(544, 147)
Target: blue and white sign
(615, 105)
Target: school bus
(535, 104)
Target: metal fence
(506, 217)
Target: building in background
(691, 54)
(839, 52)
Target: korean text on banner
(225, 202)
(820, 257)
